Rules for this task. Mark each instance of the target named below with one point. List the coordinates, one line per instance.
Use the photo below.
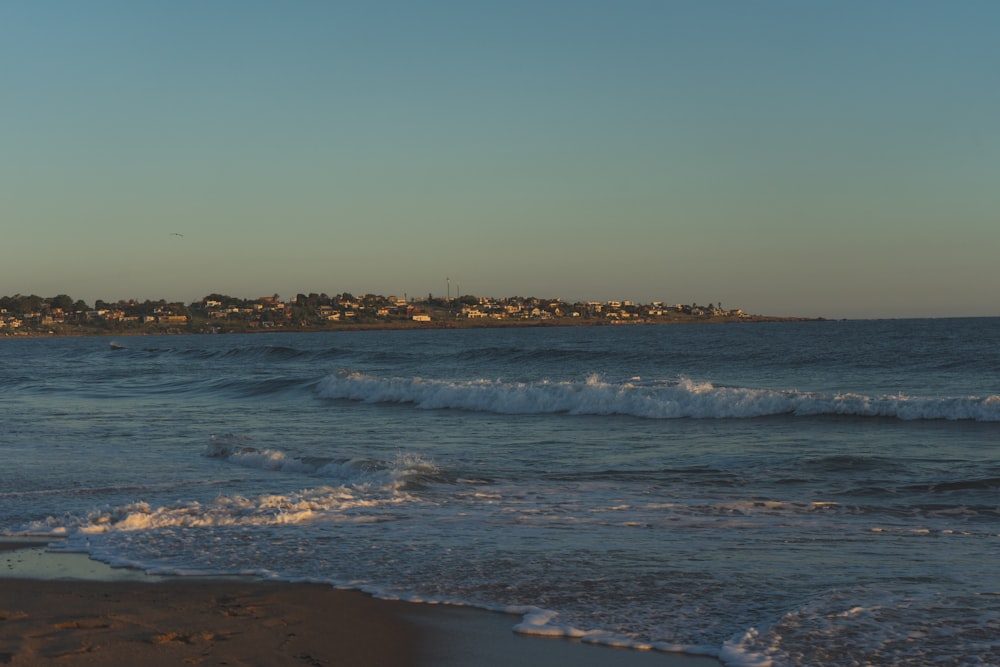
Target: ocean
(782, 494)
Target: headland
(218, 313)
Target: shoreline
(69, 608)
(451, 325)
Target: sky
(788, 157)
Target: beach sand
(65, 609)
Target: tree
(32, 304)
(61, 301)
(178, 308)
(147, 307)
(224, 299)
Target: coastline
(95, 332)
(66, 608)
(219, 313)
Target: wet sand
(65, 609)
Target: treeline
(68, 306)
(20, 314)
(34, 303)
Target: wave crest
(356, 472)
(357, 490)
(328, 503)
(657, 399)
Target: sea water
(814, 493)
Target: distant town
(219, 313)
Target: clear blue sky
(832, 158)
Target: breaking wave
(356, 490)
(658, 399)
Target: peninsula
(219, 313)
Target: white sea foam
(538, 622)
(648, 399)
(323, 503)
(350, 487)
(889, 629)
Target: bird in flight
(176, 234)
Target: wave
(549, 355)
(331, 503)
(842, 463)
(979, 484)
(405, 471)
(98, 491)
(260, 353)
(659, 399)
(357, 490)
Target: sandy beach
(65, 609)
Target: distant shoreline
(83, 331)
(35, 316)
